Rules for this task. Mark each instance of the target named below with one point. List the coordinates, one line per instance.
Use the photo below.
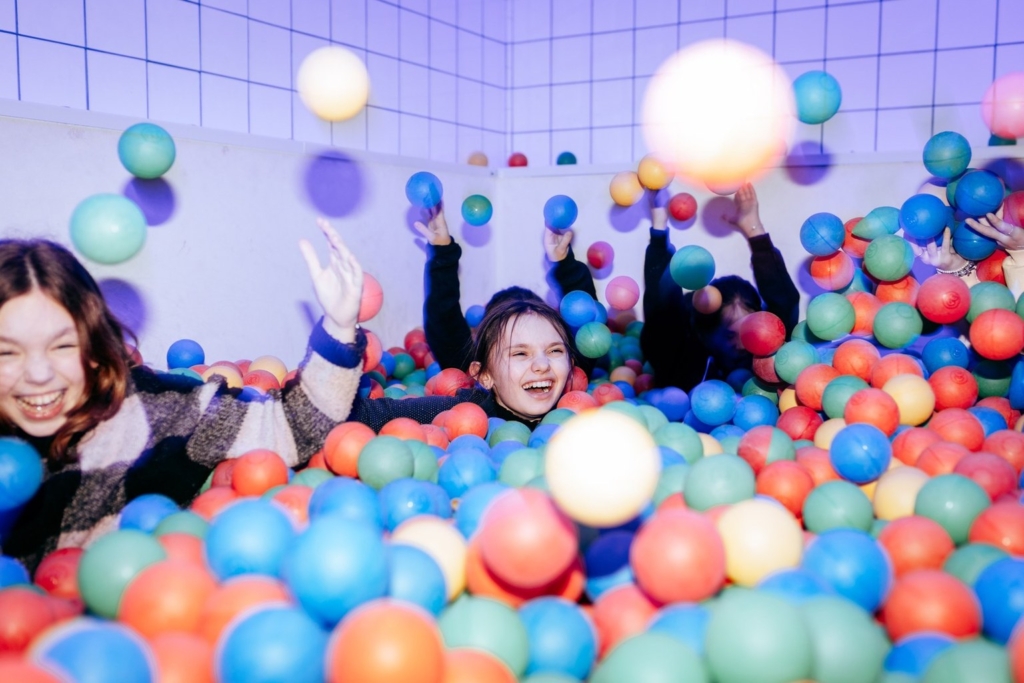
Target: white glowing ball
(333, 83)
(602, 468)
(719, 111)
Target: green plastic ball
(671, 480)
(719, 480)
(566, 159)
(594, 340)
(954, 501)
(877, 527)
(521, 467)
(558, 416)
(184, 522)
(888, 258)
(830, 316)
(633, 329)
(755, 386)
(383, 460)
(970, 661)
(487, 625)
(311, 477)
(628, 409)
(424, 461)
(754, 636)
(655, 418)
(146, 150)
(404, 365)
(681, 438)
(477, 209)
(109, 565)
(108, 228)
(993, 377)
(880, 221)
(837, 504)
(968, 561)
(510, 431)
(692, 267)
(651, 658)
(838, 392)
(801, 332)
(897, 325)
(792, 358)
(849, 646)
(988, 295)
(550, 678)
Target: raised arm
(569, 274)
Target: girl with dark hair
(686, 347)
(522, 359)
(110, 432)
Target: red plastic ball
(915, 543)
(853, 245)
(764, 368)
(678, 556)
(621, 612)
(600, 254)
(811, 383)
(24, 614)
(466, 418)
(905, 290)
(449, 381)
(910, 443)
(608, 392)
(416, 336)
(943, 298)
(832, 273)
(762, 333)
(941, 458)
(997, 334)
(1001, 525)
(892, 365)
(257, 471)
(954, 387)
(817, 463)
(682, 206)
(958, 426)
(990, 472)
(57, 574)
(865, 306)
(799, 422)
(517, 159)
(930, 600)
(856, 357)
(419, 352)
(990, 269)
(873, 407)
(372, 300)
(788, 482)
(1008, 445)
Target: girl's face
(529, 368)
(41, 373)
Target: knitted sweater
(169, 434)
(678, 354)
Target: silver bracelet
(963, 272)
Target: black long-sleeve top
(448, 334)
(669, 339)
(377, 412)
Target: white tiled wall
(437, 67)
(450, 77)
(907, 67)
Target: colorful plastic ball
(468, 665)
(755, 410)
(953, 387)
(913, 654)
(692, 267)
(108, 228)
(997, 334)
(560, 212)
(110, 564)
(836, 505)
(721, 480)
(562, 639)
(971, 244)
(888, 258)
(622, 293)
(954, 501)
(517, 159)
(92, 650)
(818, 96)
(944, 352)
(979, 192)
(791, 359)
(762, 333)
(830, 316)
(856, 357)
(478, 159)
(650, 657)
(600, 255)
(578, 308)
(566, 159)
(248, 537)
(487, 625)
(682, 206)
(913, 396)
(1002, 107)
(947, 154)
(851, 563)
(1000, 590)
(915, 543)
(21, 472)
(765, 444)
(625, 188)
(653, 173)
(822, 234)
(146, 150)
(333, 83)
(678, 556)
(757, 636)
(832, 273)
(744, 526)
(880, 221)
(146, 512)
(929, 600)
(593, 340)
(424, 190)
(924, 216)
(443, 542)
(1001, 526)
(273, 643)
(477, 209)
(848, 643)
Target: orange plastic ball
(1001, 525)
(904, 290)
(625, 188)
(621, 612)
(678, 556)
(853, 245)
(166, 596)
(832, 273)
(707, 300)
(372, 300)
(931, 600)
(577, 401)
(997, 334)
(258, 471)
(235, 596)
(996, 476)
(182, 658)
(873, 407)
(450, 380)
(343, 445)
(865, 307)
(892, 365)
(910, 443)
(653, 173)
(374, 351)
(915, 543)
(182, 547)
(957, 425)
(466, 418)
(788, 482)
(1008, 444)
(482, 581)
(463, 665)
(856, 357)
(941, 458)
(295, 500)
(817, 463)
(263, 380)
(208, 503)
(404, 428)
(954, 387)
(811, 383)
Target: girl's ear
(484, 378)
(474, 369)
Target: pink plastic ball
(373, 298)
(622, 293)
(1002, 107)
(600, 254)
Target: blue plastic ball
(1000, 590)
(423, 189)
(21, 472)
(12, 572)
(541, 434)
(686, 623)
(335, 566)
(672, 401)
(727, 431)
(860, 453)
(562, 639)
(251, 536)
(602, 313)
(713, 402)
(566, 159)
(108, 228)
(738, 377)
(92, 650)
(146, 150)
(473, 504)
(404, 498)
(670, 457)
(924, 216)
(501, 451)
(971, 244)
(413, 576)
(755, 410)
(607, 562)
(913, 654)
(433, 369)
(944, 351)
(794, 585)
(578, 308)
(978, 193)
(692, 267)
(990, 418)
(560, 212)
(185, 353)
(273, 644)
(348, 498)
(947, 154)
(477, 210)
(818, 97)
(691, 420)
(475, 315)
(470, 442)
(146, 511)
(852, 564)
(464, 469)
(822, 234)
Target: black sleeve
(573, 276)
(444, 325)
(377, 412)
(773, 281)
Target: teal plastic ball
(947, 154)
(108, 228)
(477, 209)
(818, 97)
(566, 159)
(888, 258)
(692, 267)
(594, 340)
(830, 316)
(146, 150)
(822, 234)
(897, 325)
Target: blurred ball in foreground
(333, 83)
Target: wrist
(343, 332)
(441, 241)
(754, 230)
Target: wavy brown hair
(26, 265)
(492, 328)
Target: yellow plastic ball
(477, 159)
(623, 373)
(602, 468)
(625, 188)
(711, 445)
(333, 83)
(275, 366)
(787, 399)
(896, 491)
(653, 173)
(914, 398)
(827, 431)
(719, 111)
(707, 300)
(443, 542)
(230, 374)
(760, 537)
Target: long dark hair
(492, 328)
(26, 265)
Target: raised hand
(658, 201)
(942, 257)
(746, 215)
(1005, 233)
(435, 230)
(556, 244)
(338, 285)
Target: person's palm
(556, 244)
(338, 285)
(435, 230)
(746, 215)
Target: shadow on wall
(476, 236)
(798, 168)
(628, 218)
(333, 183)
(713, 213)
(805, 282)
(126, 303)
(155, 197)
(1010, 170)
